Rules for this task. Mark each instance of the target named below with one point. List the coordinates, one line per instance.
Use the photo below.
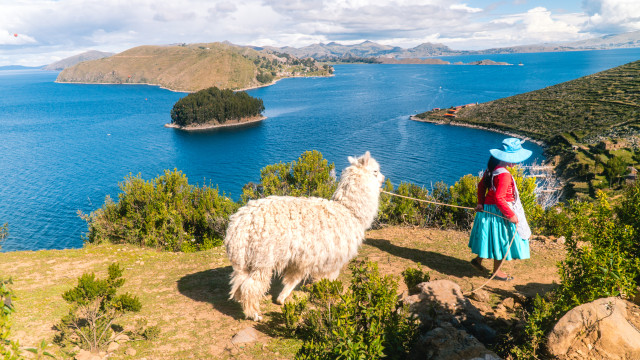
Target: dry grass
(186, 294)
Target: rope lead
(513, 236)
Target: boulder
(113, 347)
(246, 335)
(441, 301)
(601, 329)
(87, 355)
(130, 352)
(448, 343)
(480, 296)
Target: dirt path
(186, 294)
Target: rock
(87, 355)
(130, 352)
(561, 240)
(601, 329)
(481, 296)
(449, 343)
(441, 301)
(122, 338)
(636, 298)
(509, 303)
(246, 335)
(501, 309)
(113, 347)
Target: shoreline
(188, 91)
(211, 126)
(462, 124)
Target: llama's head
(359, 188)
(368, 168)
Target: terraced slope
(591, 107)
(586, 123)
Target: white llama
(299, 237)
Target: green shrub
(402, 211)
(144, 332)
(601, 261)
(9, 350)
(165, 213)
(414, 276)
(464, 193)
(363, 322)
(264, 77)
(94, 309)
(310, 175)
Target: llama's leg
(252, 290)
(333, 275)
(290, 280)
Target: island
(213, 108)
(433, 61)
(590, 127)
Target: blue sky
(38, 32)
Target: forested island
(213, 107)
(590, 126)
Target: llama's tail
(238, 277)
(248, 289)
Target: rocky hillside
(73, 60)
(191, 67)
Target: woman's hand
(479, 208)
(514, 219)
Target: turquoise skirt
(490, 237)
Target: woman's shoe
(503, 278)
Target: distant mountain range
(369, 49)
(70, 61)
(19, 67)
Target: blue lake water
(64, 147)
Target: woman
(491, 234)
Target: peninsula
(193, 67)
(585, 124)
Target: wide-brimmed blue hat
(512, 152)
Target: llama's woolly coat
(300, 237)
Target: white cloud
(10, 38)
(464, 7)
(607, 16)
(50, 28)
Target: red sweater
(503, 194)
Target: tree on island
(217, 105)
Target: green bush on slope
(602, 261)
(165, 213)
(365, 321)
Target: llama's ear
(352, 160)
(364, 159)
